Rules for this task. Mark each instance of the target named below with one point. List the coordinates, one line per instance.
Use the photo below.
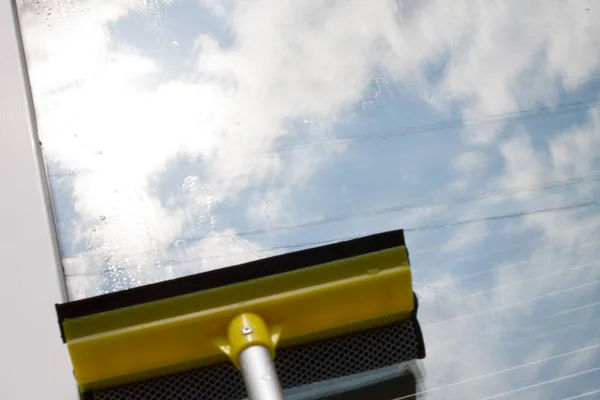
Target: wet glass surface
(186, 135)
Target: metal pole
(259, 374)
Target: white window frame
(34, 364)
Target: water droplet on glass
(99, 152)
(106, 258)
(90, 246)
(93, 229)
(102, 218)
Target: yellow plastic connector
(247, 330)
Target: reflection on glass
(186, 135)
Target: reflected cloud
(182, 136)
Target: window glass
(185, 135)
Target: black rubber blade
(226, 276)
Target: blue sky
(186, 135)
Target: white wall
(34, 363)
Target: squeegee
(250, 330)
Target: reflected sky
(186, 135)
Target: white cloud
(523, 164)
(584, 142)
(469, 162)
(466, 237)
